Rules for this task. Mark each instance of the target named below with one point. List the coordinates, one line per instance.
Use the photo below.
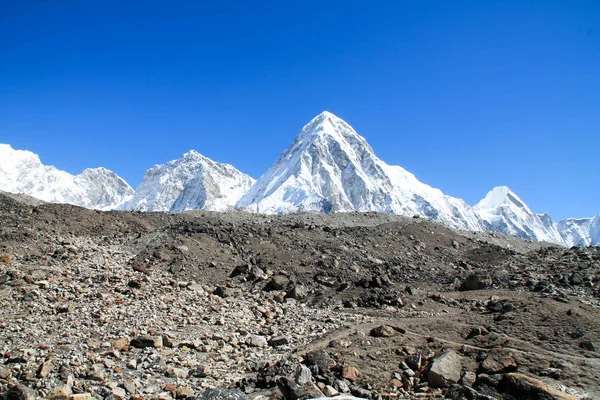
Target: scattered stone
(257, 341)
(134, 284)
(96, 373)
(178, 373)
(20, 392)
(119, 393)
(44, 369)
(474, 282)
(588, 345)
(277, 341)
(320, 359)
(498, 363)
(81, 396)
(445, 369)
(350, 372)
(222, 394)
(277, 282)
(141, 342)
(60, 392)
(383, 331)
(291, 391)
(4, 372)
(477, 331)
(302, 375)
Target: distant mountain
(580, 231)
(330, 168)
(22, 171)
(503, 211)
(192, 182)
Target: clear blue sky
(467, 95)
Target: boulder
(445, 370)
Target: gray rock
(445, 369)
(257, 341)
(222, 394)
(302, 375)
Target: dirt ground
(295, 306)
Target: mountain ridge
(328, 168)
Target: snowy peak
(580, 231)
(501, 196)
(21, 171)
(501, 210)
(331, 168)
(192, 182)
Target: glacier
(22, 171)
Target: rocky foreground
(125, 305)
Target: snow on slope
(330, 168)
(192, 182)
(22, 171)
(503, 211)
(580, 231)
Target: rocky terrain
(132, 305)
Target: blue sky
(467, 95)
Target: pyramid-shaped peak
(501, 196)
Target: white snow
(580, 231)
(330, 168)
(192, 182)
(21, 171)
(503, 211)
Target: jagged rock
(277, 282)
(445, 369)
(60, 392)
(319, 358)
(291, 391)
(96, 373)
(526, 387)
(302, 375)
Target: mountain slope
(192, 182)
(330, 168)
(503, 211)
(22, 171)
(580, 231)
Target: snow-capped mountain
(192, 182)
(22, 171)
(330, 168)
(503, 211)
(580, 231)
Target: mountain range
(329, 167)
